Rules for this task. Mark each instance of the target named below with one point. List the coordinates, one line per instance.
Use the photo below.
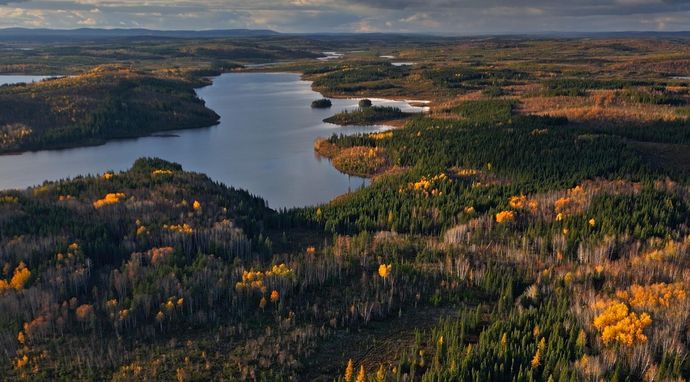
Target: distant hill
(91, 33)
(43, 34)
(618, 34)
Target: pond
(264, 143)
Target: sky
(448, 17)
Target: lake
(264, 143)
(10, 79)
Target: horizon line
(402, 33)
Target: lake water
(7, 79)
(264, 144)
(327, 56)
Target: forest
(364, 116)
(533, 225)
(107, 102)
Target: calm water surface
(4, 80)
(264, 143)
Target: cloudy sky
(452, 17)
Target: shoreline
(99, 142)
(422, 106)
(305, 77)
(170, 133)
(411, 103)
(64, 150)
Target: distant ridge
(45, 34)
(91, 33)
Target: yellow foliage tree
(4, 286)
(21, 362)
(161, 172)
(255, 279)
(181, 375)
(653, 296)
(618, 325)
(385, 270)
(141, 230)
(361, 376)
(20, 277)
(111, 198)
(517, 201)
(349, 371)
(505, 217)
(522, 202)
(381, 374)
(179, 228)
(536, 360)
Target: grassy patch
(361, 161)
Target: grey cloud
(436, 16)
(556, 7)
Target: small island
(323, 103)
(368, 116)
(364, 103)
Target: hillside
(40, 34)
(88, 109)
